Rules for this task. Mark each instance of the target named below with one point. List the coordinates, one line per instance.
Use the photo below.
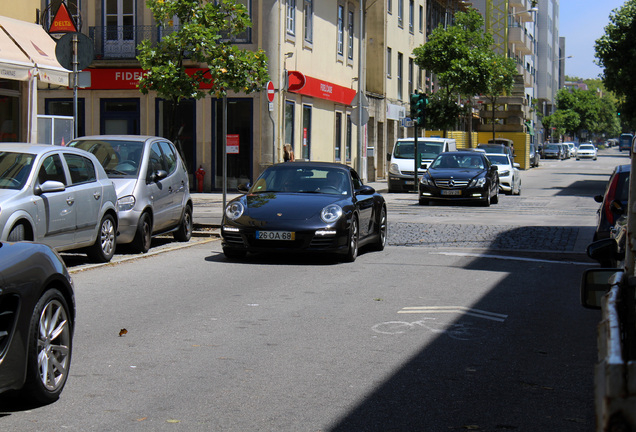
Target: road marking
(454, 309)
(459, 331)
(477, 255)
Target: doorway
(119, 116)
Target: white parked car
(509, 173)
(58, 196)
(586, 150)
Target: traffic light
(420, 109)
(414, 98)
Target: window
(411, 16)
(421, 19)
(169, 157)
(289, 123)
(349, 140)
(411, 75)
(81, 169)
(399, 76)
(291, 17)
(338, 140)
(389, 6)
(350, 36)
(400, 13)
(340, 42)
(309, 21)
(52, 169)
(388, 62)
(306, 132)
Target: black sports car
(460, 176)
(37, 314)
(305, 207)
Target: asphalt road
(444, 330)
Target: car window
(499, 160)
(15, 169)
(52, 169)
(81, 169)
(357, 182)
(168, 157)
(154, 161)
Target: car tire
(494, 199)
(234, 253)
(184, 232)
(353, 238)
(382, 231)
(423, 201)
(49, 348)
(143, 236)
(18, 233)
(103, 249)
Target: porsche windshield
(291, 178)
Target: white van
(403, 164)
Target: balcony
(523, 42)
(120, 42)
(522, 4)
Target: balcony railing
(120, 42)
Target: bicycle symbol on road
(459, 331)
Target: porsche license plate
(275, 235)
(451, 192)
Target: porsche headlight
(331, 213)
(478, 182)
(234, 210)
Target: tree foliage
(464, 62)
(202, 36)
(615, 53)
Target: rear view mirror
(596, 283)
(604, 251)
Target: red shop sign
(123, 79)
(309, 86)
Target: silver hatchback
(58, 196)
(152, 186)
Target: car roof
(120, 138)
(311, 164)
(37, 148)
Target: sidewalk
(208, 206)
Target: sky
(582, 22)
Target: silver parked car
(58, 196)
(152, 186)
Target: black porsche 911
(37, 315)
(319, 207)
(460, 176)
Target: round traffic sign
(270, 91)
(64, 51)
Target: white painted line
(454, 309)
(512, 258)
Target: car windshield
(15, 169)
(295, 179)
(120, 159)
(552, 147)
(428, 149)
(499, 159)
(492, 148)
(586, 147)
(453, 161)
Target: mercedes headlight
(234, 210)
(331, 213)
(478, 182)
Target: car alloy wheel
(49, 350)
(352, 252)
(143, 237)
(104, 247)
(382, 230)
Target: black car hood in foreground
(455, 173)
(286, 205)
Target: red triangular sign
(62, 23)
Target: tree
(616, 55)
(561, 122)
(597, 115)
(461, 57)
(203, 37)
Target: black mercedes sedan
(460, 176)
(37, 315)
(318, 207)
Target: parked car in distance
(625, 142)
(37, 317)
(509, 173)
(460, 176)
(586, 151)
(553, 151)
(305, 207)
(58, 196)
(570, 149)
(613, 201)
(534, 156)
(152, 186)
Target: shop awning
(14, 64)
(36, 46)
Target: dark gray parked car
(37, 316)
(153, 192)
